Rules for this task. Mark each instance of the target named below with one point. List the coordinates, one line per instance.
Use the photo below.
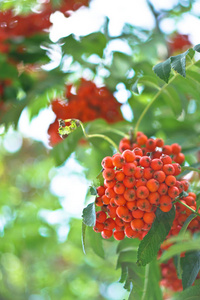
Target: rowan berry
(159, 176)
(142, 192)
(107, 162)
(167, 150)
(193, 195)
(109, 192)
(108, 174)
(98, 201)
(173, 192)
(151, 144)
(193, 224)
(119, 200)
(141, 139)
(163, 188)
(165, 200)
(109, 183)
(141, 182)
(130, 233)
(177, 169)
(152, 185)
(119, 221)
(138, 172)
(98, 227)
(176, 148)
(154, 198)
(129, 169)
(137, 214)
(166, 208)
(190, 200)
(168, 169)
(129, 156)
(129, 182)
(122, 211)
(143, 204)
(101, 216)
(105, 200)
(106, 233)
(185, 185)
(119, 176)
(118, 161)
(145, 161)
(111, 210)
(159, 143)
(112, 202)
(109, 224)
(166, 159)
(170, 180)
(182, 218)
(100, 190)
(119, 188)
(179, 158)
(137, 224)
(149, 217)
(148, 173)
(119, 235)
(138, 151)
(156, 164)
(129, 195)
(156, 154)
(131, 205)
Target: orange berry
(165, 200)
(166, 159)
(137, 214)
(98, 227)
(128, 155)
(151, 144)
(168, 169)
(177, 169)
(145, 161)
(129, 195)
(119, 188)
(111, 211)
(141, 182)
(130, 233)
(143, 204)
(100, 190)
(98, 201)
(167, 150)
(142, 192)
(138, 151)
(149, 217)
(129, 181)
(119, 200)
(179, 158)
(118, 161)
(131, 205)
(119, 235)
(108, 174)
(154, 198)
(129, 169)
(156, 164)
(137, 224)
(173, 192)
(138, 172)
(159, 176)
(109, 192)
(141, 139)
(163, 188)
(109, 224)
(166, 208)
(109, 183)
(107, 162)
(159, 143)
(105, 200)
(119, 176)
(101, 216)
(148, 173)
(106, 233)
(176, 148)
(152, 185)
(170, 180)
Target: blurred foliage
(37, 260)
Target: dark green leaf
(191, 266)
(128, 244)
(190, 169)
(150, 244)
(93, 191)
(163, 70)
(94, 43)
(89, 216)
(126, 256)
(197, 48)
(178, 63)
(96, 242)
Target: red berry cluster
(88, 103)
(178, 43)
(136, 182)
(12, 25)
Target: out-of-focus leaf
(89, 215)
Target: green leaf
(190, 169)
(89, 215)
(186, 171)
(178, 63)
(134, 87)
(83, 237)
(150, 244)
(96, 242)
(191, 266)
(180, 247)
(192, 293)
(128, 244)
(172, 98)
(93, 191)
(126, 256)
(197, 48)
(94, 43)
(163, 70)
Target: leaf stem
(145, 282)
(184, 204)
(88, 136)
